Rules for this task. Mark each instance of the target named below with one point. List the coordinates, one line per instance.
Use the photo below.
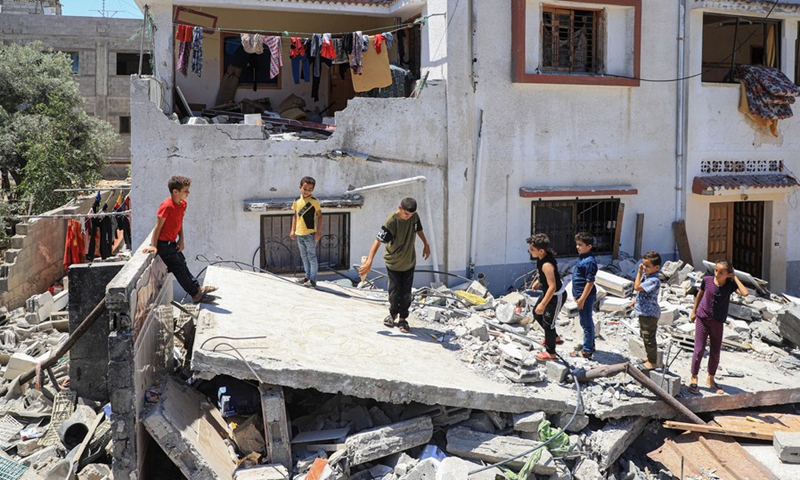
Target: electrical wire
(234, 349)
(544, 444)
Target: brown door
(748, 236)
(341, 90)
(720, 232)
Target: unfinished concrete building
(104, 51)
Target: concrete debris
(787, 446)
(494, 448)
(379, 442)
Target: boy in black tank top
(553, 293)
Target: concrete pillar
(101, 79)
(164, 51)
(88, 358)
(276, 425)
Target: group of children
(399, 232)
(709, 312)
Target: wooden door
(341, 90)
(748, 237)
(720, 232)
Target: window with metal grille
(730, 41)
(279, 253)
(570, 40)
(561, 220)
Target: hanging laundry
(197, 50)
(73, 246)
(365, 43)
(299, 58)
(253, 43)
(375, 72)
(275, 55)
(184, 36)
(378, 42)
(338, 48)
(184, 33)
(327, 50)
(389, 37)
(358, 54)
(124, 222)
(315, 51)
(296, 47)
(106, 237)
(767, 95)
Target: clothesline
(75, 215)
(286, 33)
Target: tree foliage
(47, 140)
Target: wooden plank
(618, 230)
(733, 432)
(684, 248)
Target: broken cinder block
(787, 446)
(669, 382)
(379, 442)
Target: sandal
(716, 388)
(389, 321)
(208, 289)
(543, 356)
(559, 341)
(404, 328)
(582, 354)
(693, 389)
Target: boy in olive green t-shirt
(397, 233)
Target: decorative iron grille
(279, 253)
(561, 220)
(569, 40)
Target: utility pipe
(406, 181)
(476, 195)
(681, 120)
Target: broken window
(729, 41)
(128, 64)
(570, 40)
(76, 67)
(561, 220)
(279, 253)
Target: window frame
(519, 32)
(124, 125)
(597, 47)
(341, 237)
(271, 84)
(557, 242)
(708, 65)
(145, 64)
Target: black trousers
(548, 319)
(400, 284)
(176, 265)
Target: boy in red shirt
(168, 238)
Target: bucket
(252, 119)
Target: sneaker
(312, 283)
(303, 281)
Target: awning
(576, 191)
(724, 184)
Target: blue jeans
(308, 253)
(588, 324)
(301, 65)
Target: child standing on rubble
(398, 234)
(710, 310)
(646, 306)
(307, 229)
(168, 239)
(554, 293)
(584, 291)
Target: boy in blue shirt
(584, 291)
(646, 304)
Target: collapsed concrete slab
(333, 341)
(185, 432)
(494, 448)
(613, 439)
(379, 442)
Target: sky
(90, 8)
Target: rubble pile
(46, 431)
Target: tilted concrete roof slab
(332, 342)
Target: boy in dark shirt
(397, 233)
(584, 291)
(168, 238)
(553, 293)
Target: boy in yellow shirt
(306, 229)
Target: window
(255, 67)
(570, 40)
(729, 41)
(128, 64)
(561, 220)
(124, 124)
(587, 42)
(76, 68)
(279, 253)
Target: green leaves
(47, 141)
